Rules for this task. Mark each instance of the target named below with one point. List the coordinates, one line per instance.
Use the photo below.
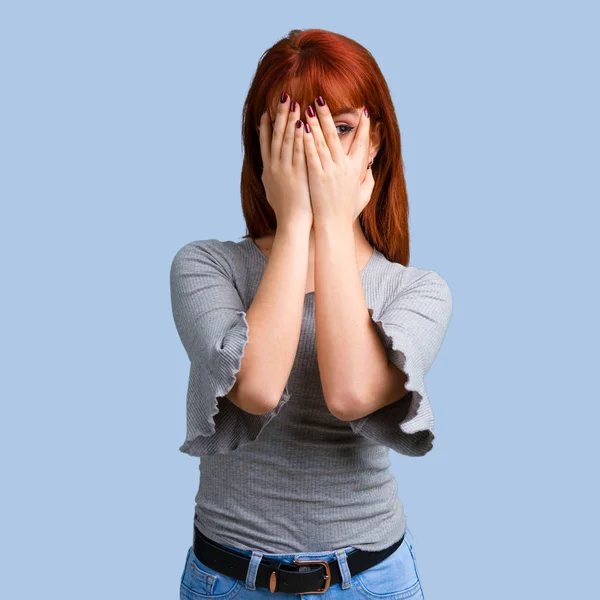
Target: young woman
(309, 341)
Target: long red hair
(307, 63)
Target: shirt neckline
(362, 272)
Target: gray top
(298, 479)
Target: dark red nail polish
(307, 127)
(284, 97)
(367, 112)
(298, 123)
(320, 101)
(310, 110)
(293, 106)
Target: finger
(299, 159)
(287, 148)
(313, 162)
(264, 136)
(359, 151)
(280, 126)
(318, 139)
(368, 182)
(329, 129)
(366, 191)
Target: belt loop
(253, 569)
(344, 569)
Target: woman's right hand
(285, 172)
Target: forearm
(352, 361)
(275, 316)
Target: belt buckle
(327, 575)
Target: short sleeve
(411, 327)
(210, 318)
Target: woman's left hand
(340, 184)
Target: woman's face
(345, 123)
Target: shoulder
(417, 301)
(398, 280)
(416, 278)
(210, 253)
(425, 293)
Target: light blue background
(120, 142)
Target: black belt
(278, 576)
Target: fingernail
(367, 112)
(293, 106)
(307, 127)
(298, 123)
(320, 101)
(310, 110)
(284, 97)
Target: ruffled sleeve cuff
(214, 424)
(406, 425)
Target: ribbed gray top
(298, 479)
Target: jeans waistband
(289, 558)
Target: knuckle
(320, 144)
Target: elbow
(255, 402)
(345, 407)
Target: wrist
(333, 227)
(299, 226)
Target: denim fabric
(394, 578)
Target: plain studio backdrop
(120, 142)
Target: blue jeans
(394, 578)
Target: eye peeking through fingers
(346, 129)
(349, 128)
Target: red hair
(307, 63)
